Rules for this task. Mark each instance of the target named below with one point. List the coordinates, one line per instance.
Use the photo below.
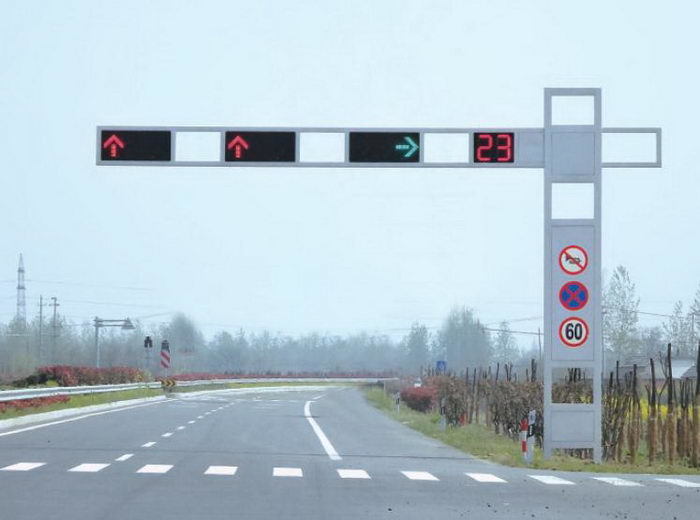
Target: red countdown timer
(494, 147)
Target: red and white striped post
(523, 437)
(165, 354)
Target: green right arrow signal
(410, 146)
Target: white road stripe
(124, 457)
(221, 470)
(23, 466)
(353, 473)
(330, 450)
(155, 468)
(551, 480)
(679, 482)
(71, 419)
(485, 477)
(148, 444)
(169, 434)
(287, 472)
(180, 427)
(190, 422)
(419, 475)
(615, 481)
(200, 417)
(89, 468)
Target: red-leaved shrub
(20, 404)
(420, 399)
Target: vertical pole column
(572, 330)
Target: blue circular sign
(573, 296)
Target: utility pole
(41, 325)
(54, 332)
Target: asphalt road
(224, 455)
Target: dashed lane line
(287, 472)
(148, 444)
(23, 466)
(88, 468)
(353, 473)
(124, 457)
(221, 470)
(552, 480)
(485, 477)
(615, 481)
(679, 482)
(168, 434)
(420, 475)
(155, 468)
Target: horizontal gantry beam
(313, 147)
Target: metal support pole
(97, 342)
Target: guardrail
(30, 393)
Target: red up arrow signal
(238, 143)
(112, 144)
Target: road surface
(299, 453)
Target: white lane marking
(615, 481)
(485, 477)
(551, 480)
(419, 475)
(353, 473)
(169, 434)
(200, 417)
(180, 427)
(190, 422)
(221, 470)
(89, 468)
(23, 466)
(155, 468)
(317, 397)
(124, 457)
(679, 482)
(148, 444)
(330, 450)
(287, 472)
(71, 419)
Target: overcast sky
(296, 250)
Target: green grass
(483, 443)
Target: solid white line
(615, 481)
(419, 475)
(124, 457)
(679, 482)
(169, 434)
(551, 480)
(89, 468)
(221, 470)
(485, 477)
(287, 472)
(71, 419)
(23, 466)
(353, 473)
(148, 444)
(330, 450)
(155, 468)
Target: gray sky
(300, 250)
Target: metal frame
(580, 414)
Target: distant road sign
(573, 332)
(573, 296)
(573, 260)
(249, 146)
(384, 147)
(135, 145)
(441, 366)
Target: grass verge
(479, 441)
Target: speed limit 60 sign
(573, 332)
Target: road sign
(384, 147)
(573, 296)
(252, 146)
(573, 332)
(135, 145)
(573, 260)
(148, 342)
(441, 367)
